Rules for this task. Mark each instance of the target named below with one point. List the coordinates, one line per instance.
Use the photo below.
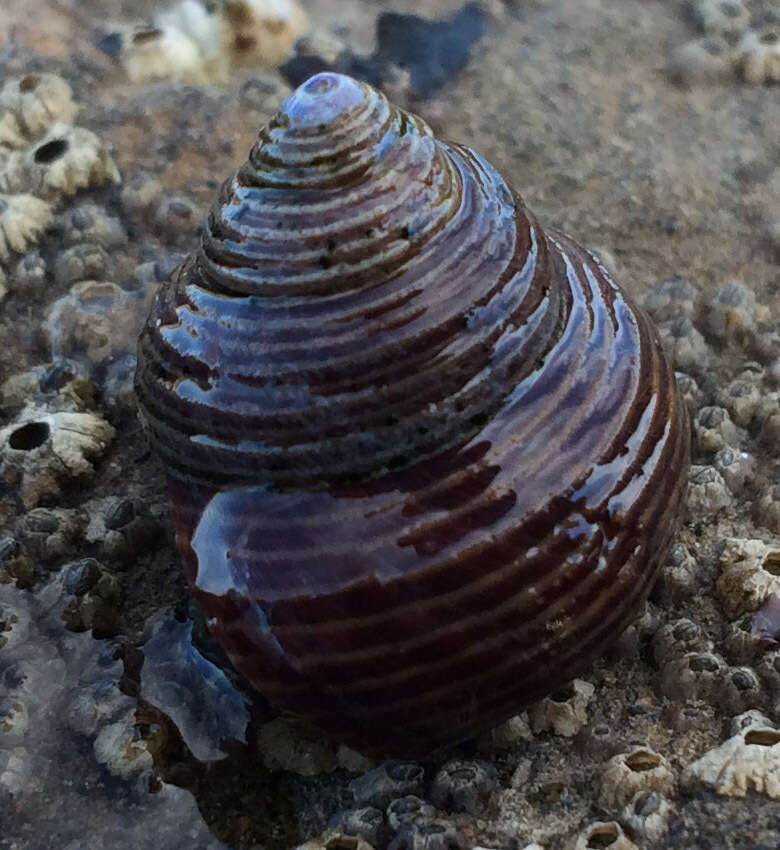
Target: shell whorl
(370, 276)
(424, 457)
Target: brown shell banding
(424, 481)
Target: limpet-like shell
(424, 457)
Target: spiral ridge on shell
(424, 457)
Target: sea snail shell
(424, 458)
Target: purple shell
(424, 458)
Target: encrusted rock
(607, 835)
(672, 299)
(714, 429)
(720, 17)
(647, 815)
(140, 195)
(676, 581)
(677, 638)
(564, 712)
(506, 735)
(691, 393)
(42, 450)
(407, 809)
(366, 823)
(96, 321)
(639, 769)
(65, 160)
(89, 222)
(49, 533)
(121, 528)
(378, 787)
(428, 834)
(685, 346)
(176, 215)
(702, 60)
(33, 103)
(758, 56)
(749, 761)
(707, 491)
(739, 690)
(81, 262)
(30, 275)
(741, 398)
(750, 572)
(731, 314)
(767, 508)
(23, 220)
(260, 32)
(462, 785)
(736, 467)
(696, 675)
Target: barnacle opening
(50, 151)
(602, 836)
(762, 737)
(29, 436)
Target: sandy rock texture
(648, 129)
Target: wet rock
(195, 694)
(431, 51)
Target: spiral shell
(424, 458)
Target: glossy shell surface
(424, 458)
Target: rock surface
(648, 131)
